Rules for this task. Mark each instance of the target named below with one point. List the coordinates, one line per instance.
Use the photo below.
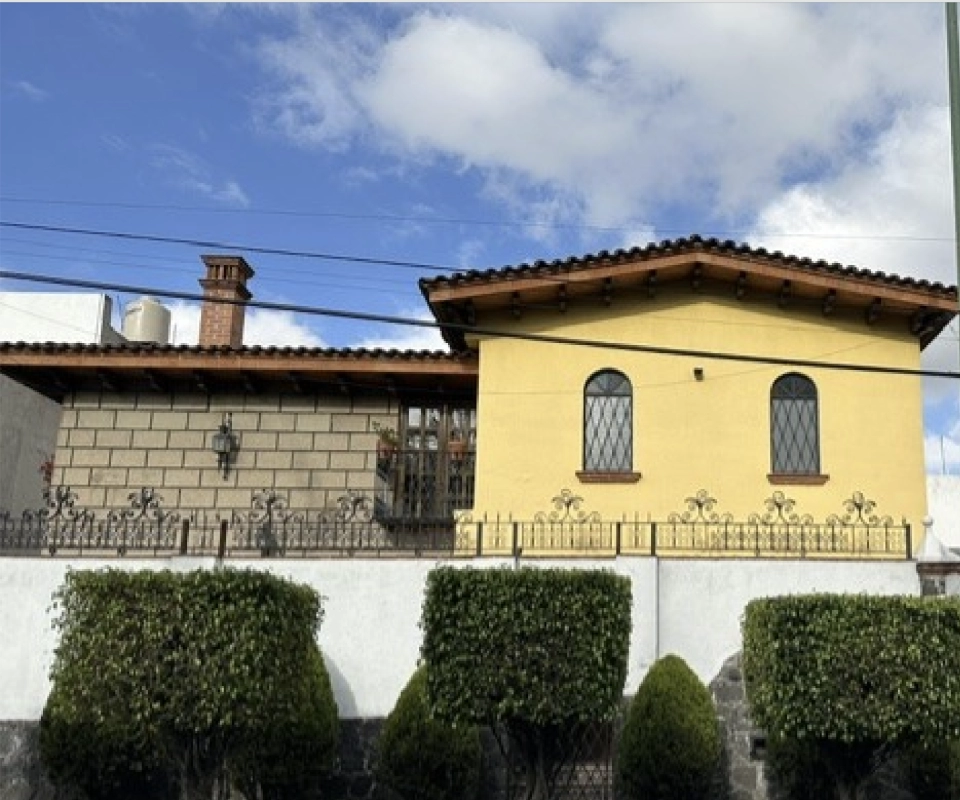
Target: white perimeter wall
(370, 636)
(943, 506)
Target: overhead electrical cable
(481, 330)
(520, 223)
(276, 251)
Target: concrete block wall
(311, 448)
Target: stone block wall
(311, 448)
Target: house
(29, 420)
(690, 397)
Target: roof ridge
(693, 242)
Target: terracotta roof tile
(693, 243)
(252, 350)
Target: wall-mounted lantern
(224, 444)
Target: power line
(364, 287)
(457, 220)
(533, 337)
(144, 237)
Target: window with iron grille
(608, 423)
(794, 426)
(431, 476)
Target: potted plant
(457, 446)
(387, 442)
(46, 476)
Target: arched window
(608, 423)
(794, 426)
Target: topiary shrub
(796, 769)
(532, 652)
(858, 677)
(670, 743)
(158, 675)
(933, 771)
(422, 758)
(288, 761)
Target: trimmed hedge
(670, 743)
(421, 758)
(158, 675)
(843, 681)
(933, 772)
(853, 668)
(535, 653)
(545, 646)
(288, 762)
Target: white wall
(56, 317)
(943, 506)
(370, 636)
(28, 436)
(28, 420)
(702, 602)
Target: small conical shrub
(670, 744)
(422, 758)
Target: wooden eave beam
(249, 384)
(201, 381)
(154, 381)
(159, 363)
(108, 381)
(829, 302)
(741, 289)
(783, 296)
(696, 277)
(734, 265)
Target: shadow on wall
(346, 702)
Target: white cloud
(261, 327)
(30, 90)
(603, 115)
(890, 209)
(310, 99)
(404, 337)
(189, 172)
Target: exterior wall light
(698, 373)
(224, 444)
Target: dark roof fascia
(448, 313)
(681, 246)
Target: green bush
(533, 652)
(422, 758)
(161, 673)
(854, 676)
(799, 769)
(933, 771)
(288, 761)
(670, 743)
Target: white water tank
(146, 320)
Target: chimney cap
(212, 261)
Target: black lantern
(224, 443)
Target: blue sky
(471, 136)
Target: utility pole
(953, 74)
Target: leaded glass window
(608, 423)
(794, 428)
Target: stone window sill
(780, 479)
(607, 477)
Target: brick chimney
(222, 323)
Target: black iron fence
(361, 525)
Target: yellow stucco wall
(691, 435)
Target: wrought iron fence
(362, 525)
